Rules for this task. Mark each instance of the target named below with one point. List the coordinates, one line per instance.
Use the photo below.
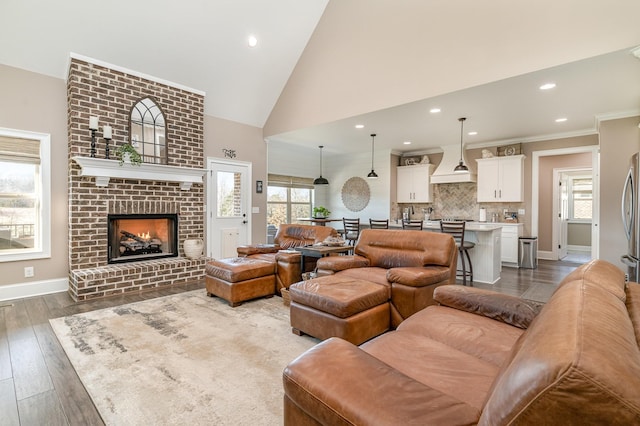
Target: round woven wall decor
(355, 194)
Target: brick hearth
(95, 90)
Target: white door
(563, 216)
(228, 207)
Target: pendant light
(461, 167)
(372, 174)
(320, 180)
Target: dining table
(320, 221)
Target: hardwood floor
(39, 386)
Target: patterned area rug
(184, 359)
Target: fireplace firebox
(136, 237)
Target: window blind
(19, 150)
(289, 181)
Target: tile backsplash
(455, 200)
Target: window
(288, 198)
(580, 197)
(229, 194)
(24, 195)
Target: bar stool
(351, 230)
(456, 230)
(379, 223)
(412, 224)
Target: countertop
(470, 226)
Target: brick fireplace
(109, 93)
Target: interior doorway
(593, 150)
(573, 208)
(228, 206)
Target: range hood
(450, 158)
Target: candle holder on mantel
(93, 126)
(106, 147)
(107, 134)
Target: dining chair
(351, 230)
(379, 223)
(412, 224)
(456, 230)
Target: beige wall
(38, 103)
(366, 55)
(619, 139)
(249, 145)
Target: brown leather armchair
(289, 236)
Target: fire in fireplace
(136, 237)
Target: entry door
(228, 207)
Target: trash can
(528, 252)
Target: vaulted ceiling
(430, 55)
(196, 43)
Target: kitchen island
(485, 256)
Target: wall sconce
(93, 126)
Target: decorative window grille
(148, 131)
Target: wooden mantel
(103, 170)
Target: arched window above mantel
(147, 130)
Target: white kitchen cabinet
(501, 179)
(510, 236)
(413, 184)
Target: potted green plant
(320, 212)
(127, 153)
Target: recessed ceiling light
(407, 142)
(561, 120)
(547, 86)
(252, 41)
(359, 126)
(434, 110)
(472, 133)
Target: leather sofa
(411, 263)
(288, 236)
(481, 357)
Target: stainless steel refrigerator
(631, 218)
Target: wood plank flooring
(39, 386)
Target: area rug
(184, 359)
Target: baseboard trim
(585, 249)
(546, 255)
(34, 288)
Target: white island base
(486, 255)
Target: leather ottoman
(238, 279)
(353, 309)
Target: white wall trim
(34, 288)
(43, 219)
(586, 249)
(546, 255)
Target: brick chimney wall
(94, 90)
